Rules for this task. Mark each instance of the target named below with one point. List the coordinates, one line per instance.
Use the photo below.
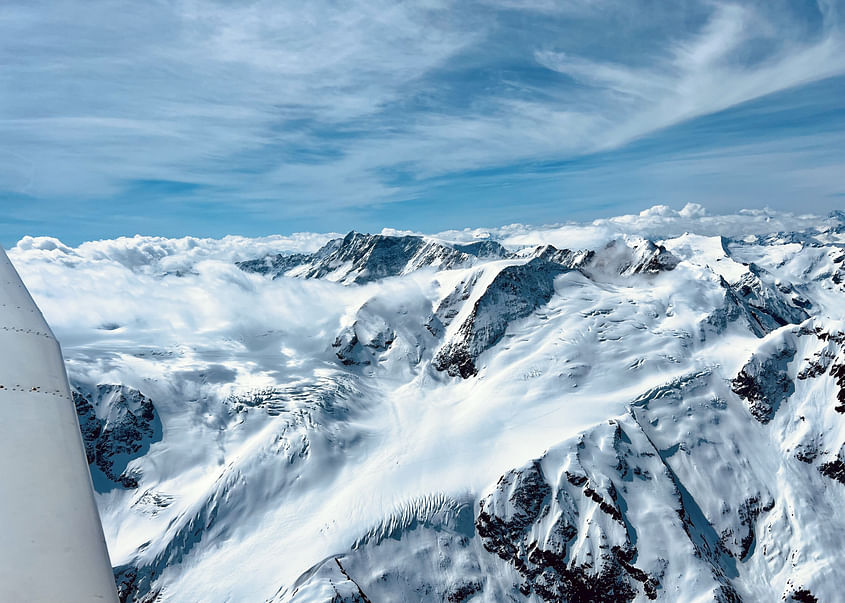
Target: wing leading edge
(51, 540)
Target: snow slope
(642, 408)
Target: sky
(209, 117)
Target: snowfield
(648, 407)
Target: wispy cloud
(722, 65)
(276, 111)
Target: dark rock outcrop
(507, 524)
(355, 345)
(514, 293)
(834, 469)
(625, 259)
(118, 425)
(803, 595)
(763, 304)
(484, 249)
(764, 382)
(274, 265)
(767, 304)
(565, 257)
(363, 258)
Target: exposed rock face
(767, 304)
(764, 382)
(828, 360)
(364, 340)
(90, 426)
(751, 295)
(514, 293)
(386, 335)
(803, 596)
(450, 306)
(118, 425)
(834, 469)
(565, 257)
(507, 525)
(484, 249)
(363, 258)
(637, 257)
(763, 308)
(650, 258)
(742, 543)
(274, 265)
(135, 586)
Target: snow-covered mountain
(643, 408)
(362, 258)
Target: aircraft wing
(51, 540)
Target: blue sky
(208, 117)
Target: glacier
(647, 407)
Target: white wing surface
(51, 540)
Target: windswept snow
(652, 407)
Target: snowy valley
(649, 407)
